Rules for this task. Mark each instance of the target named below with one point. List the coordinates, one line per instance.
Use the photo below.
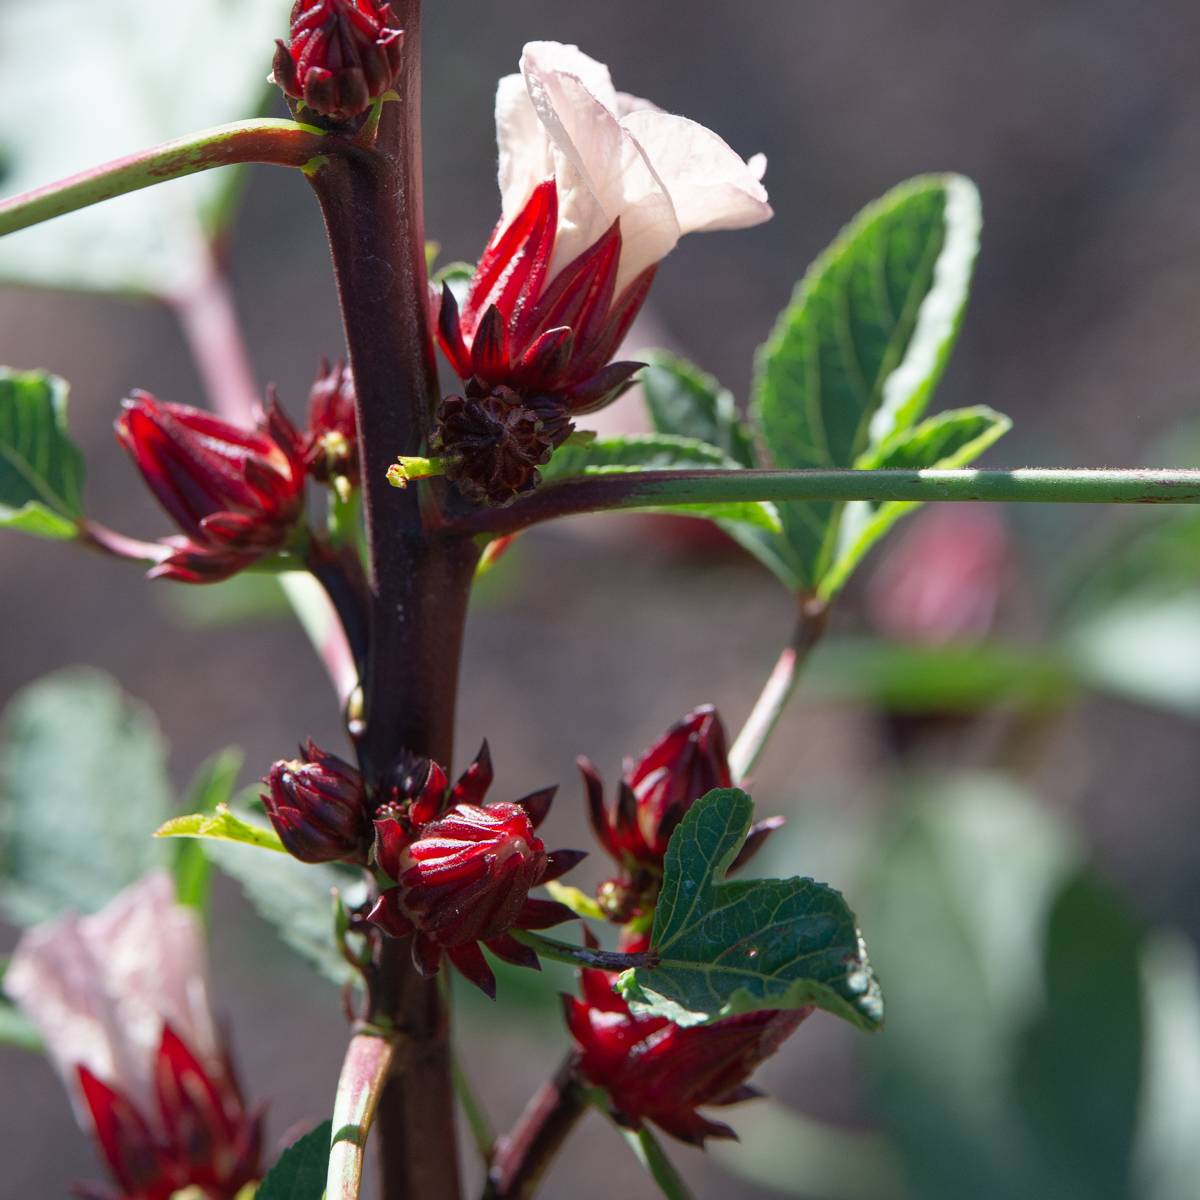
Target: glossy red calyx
(518, 329)
(654, 1070)
(342, 55)
(464, 879)
(236, 494)
(317, 805)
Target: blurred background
(1000, 777)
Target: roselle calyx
(654, 1070)
(318, 807)
(236, 494)
(491, 442)
(331, 441)
(656, 792)
(465, 878)
(342, 55)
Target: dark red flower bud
(343, 54)
(541, 337)
(657, 1071)
(318, 807)
(331, 447)
(236, 494)
(466, 879)
(492, 442)
(199, 1136)
(689, 760)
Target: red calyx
(688, 761)
(236, 494)
(343, 55)
(318, 807)
(199, 1136)
(465, 879)
(331, 444)
(515, 331)
(654, 1070)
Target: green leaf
(300, 1172)
(686, 402)
(1078, 1067)
(295, 899)
(945, 441)
(83, 785)
(221, 826)
(580, 903)
(659, 452)
(213, 786)
(114, 89)
(736, 947)
(41, 470)
(856, 355)
(937, 679)
(649, 1152)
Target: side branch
(281, 143)
(656, 489)
(811, 621)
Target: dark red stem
(523, 1156)
(419, 583)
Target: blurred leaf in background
(151, 242)
(83, 784)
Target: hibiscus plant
(383, 505)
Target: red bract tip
(200, 1135)
(331, 442)
(236, 494)
(544, 338)
(656, 1071)
(343, 55)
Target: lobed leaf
(41, 469)
(212, 787)
(687, 402)
(951, 439)
(726, 948)
(855, 357)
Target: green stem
(581, 956)
(652, 1156)
(811, 621)
(282, 143)
(655, 489)
(482, 1133)
(364, 1073)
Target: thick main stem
(419, 585)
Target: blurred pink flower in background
(121, 1001)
